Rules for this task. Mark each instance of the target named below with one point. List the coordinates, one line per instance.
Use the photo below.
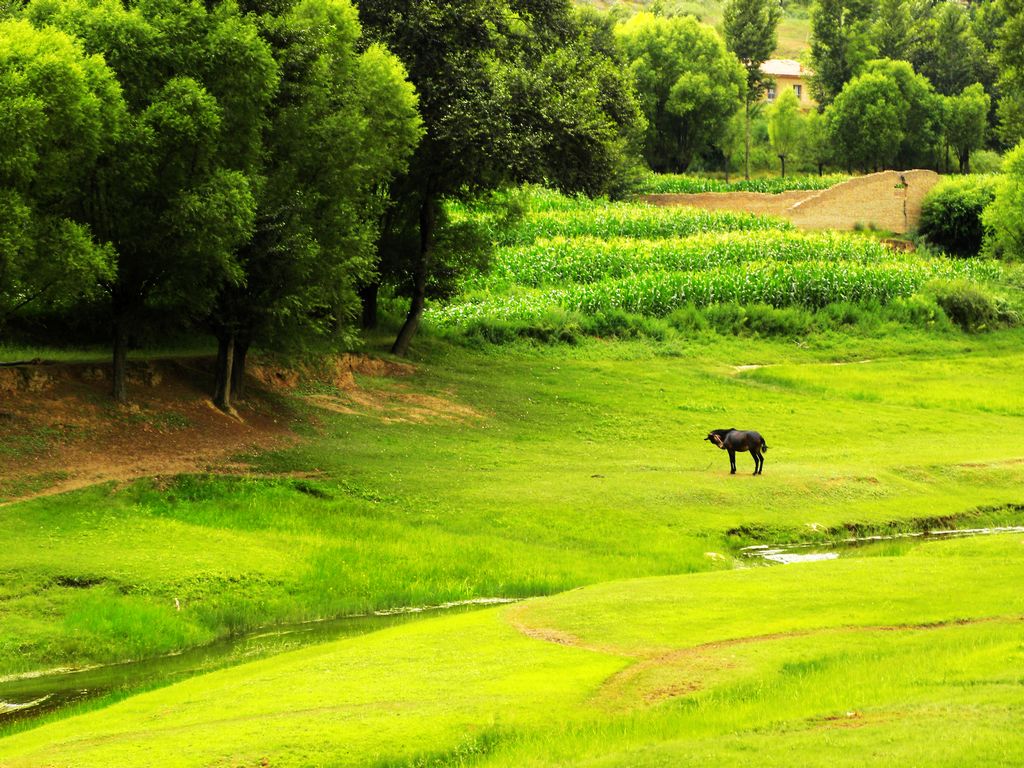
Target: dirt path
(658, 673)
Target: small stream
(33, 695)
(890, 545)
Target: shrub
(951, 215)
(614, 323)
(966, 304)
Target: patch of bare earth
(62, 430)
(388, 400)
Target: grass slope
(849, 662)
(580, 466)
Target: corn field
(669, 183)
(591, 257)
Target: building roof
(784, 67)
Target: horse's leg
(760, 469)
(757, 460)
(732, 461)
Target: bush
(951, 215)
(614, 323)
(966, 304)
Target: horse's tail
(764, 446)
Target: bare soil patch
(62, 430)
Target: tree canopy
(966, 119)
(865, 122)
(689, 85)
(840, 44)
(175, 196)
(62, 110)
(784, 126)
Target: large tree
(61, 111)
(689, 85)
(920, 120)
(841, 42)
(501, 100)
(865, 122)
(343, 120)
(175, 194)
(751, 32)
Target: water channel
(867, 545)
(33, 696)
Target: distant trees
(689, 85)
(816, 144)
(1010, 58)
(751, 32)
(840, 44)
(966, 120)
(61, 110)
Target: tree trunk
(120, 361)
(225, 364)
(821, 169)
(368, 298)
(783, 159)
(238, 368)
(419, 293)
(412, 320)
(746, 137)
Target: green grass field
(849, 662)
(575, 474)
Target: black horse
(733, 440)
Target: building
(788, 74)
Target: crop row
(560, 260)
(636, 220)
(668, 183)
(812, 284)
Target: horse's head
(715, 439)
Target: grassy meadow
(567, 465)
